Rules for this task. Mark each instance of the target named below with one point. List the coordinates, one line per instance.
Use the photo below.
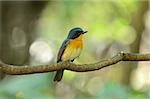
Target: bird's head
(75, 32)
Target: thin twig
(21, 70)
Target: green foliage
(106, 21)
(27, 87)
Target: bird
(70, 49)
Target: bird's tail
(59, 75)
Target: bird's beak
(85, 32)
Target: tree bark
(21, 70)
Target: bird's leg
(72, 60)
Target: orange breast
(73, 49)
(77, 42)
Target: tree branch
(21, 70)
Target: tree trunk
(138, 24)
(18, 18)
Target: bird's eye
(79, 32)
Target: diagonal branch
(21, 70)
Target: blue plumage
(70, 49)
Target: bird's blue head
(75, 32)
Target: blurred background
(31, 33)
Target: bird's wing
(61, 50)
